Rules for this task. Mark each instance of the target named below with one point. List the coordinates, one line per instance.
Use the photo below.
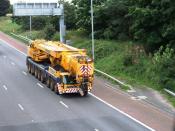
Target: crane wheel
(39, 75)
(32, 69)
(52, 84)
(48, 82)
(29, 67)
(36, 72)
(83, 93)
(56, 89)
(42, 77)
(83, 90)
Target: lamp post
(92, 24)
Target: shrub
(163, 66)
(49, 31)
(127, 60)
(56, 36)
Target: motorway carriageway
(26, 104)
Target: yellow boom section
(73, 60)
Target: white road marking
(107, 85)
(32, 120)
(142, 97)
(13, 47)
(131, 90)
(135, 98)
(138, 97)
(125, 114)
(96, 129)
(21, 107)
(40, 85)
(24, 73)
(132, 118)
(5, 87)
(64, 104)
(13, 63)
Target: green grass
(7, 26)
(110, 56)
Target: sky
(12, 1)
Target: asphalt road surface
(28, 105)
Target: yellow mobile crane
(63, 68)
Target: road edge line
(13, 47)
(122, 112)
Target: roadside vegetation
(134, 38)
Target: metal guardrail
(113, 78)
(170, 92)
(101, 72)
(22, 37)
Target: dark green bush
(163, 66)
(49, 31)
(38, 22)
(56, 36)
(128, 60)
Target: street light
(92, 23)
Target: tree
(153, 22)
(109, 18)
(4, 7)
(49, 31)
(111, 21)
(83, 15)
(38, 22)
(69, 15)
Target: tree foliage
(49, 32)
(4, 7)
(69, 15)
(152, 22)
(83, 12)
(38, 22)
(111, 21)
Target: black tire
(84, 90)
(85, 93)
(42, 78)
(39, 75)
(32, 69)
(29, 67)
(56, 89)
(48, 82)
(36, 72)
(52, 85)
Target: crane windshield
(68, 80)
